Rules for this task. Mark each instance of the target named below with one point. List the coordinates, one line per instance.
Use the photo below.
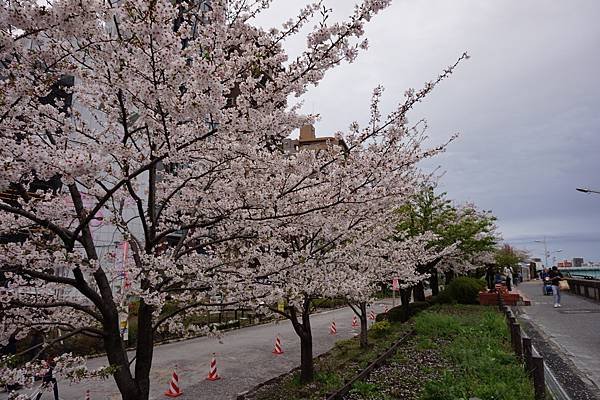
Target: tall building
(308, 140)
(578, 262)
(565, 264)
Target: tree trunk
(144, 350)
(306, 354)
(117, 357)
(304, 332)
(434, 282)
(364, 338)
(449, 275)
(419, 292)
(405, 298)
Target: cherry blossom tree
(167, 128)
(159, 124)
(344, 246)
(382, 260)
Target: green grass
(458, 352)
(365, 389)
(340, 364)
(483, 364)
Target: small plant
(365, 389)
(426, 344)
(432, 324)
(329, 380)
(380, 329)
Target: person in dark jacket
(490, 278)
(555, 277)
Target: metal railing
(589, 288)
(532, 361)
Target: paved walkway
(244, 359)
(573, 329)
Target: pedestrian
(490, 278)
(544, 278)
(508, 275)
(49, 379)
(555, 277)
(498, 278)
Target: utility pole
(545, 250)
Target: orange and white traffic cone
(212, 374)
(87, 395)
(332, 328)
(174, 389)
(372, 315)
(354, 322)
(277, 350)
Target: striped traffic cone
(174, 390)
(212, 374)
(277, 350)
(385, 310)
(332, 328)
(372, 315)
(354, 322)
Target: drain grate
(580, 311)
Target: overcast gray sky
(526, 105)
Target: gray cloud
(526, 104)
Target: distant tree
(463, 235)
(508, 256)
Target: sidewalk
(244, 359)
(570, 335)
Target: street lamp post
(586, 190)
(545, 250)
(554, 257)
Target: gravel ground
(567, 374)
(403, 377)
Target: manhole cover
(579, 311)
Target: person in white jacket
(508, 274)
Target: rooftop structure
(308, 140)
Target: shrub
(463, 290)
(401, 314)
(328, 303)
(396, 314)
(81, 345)
(380, 329)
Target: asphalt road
(244, 359)
(572, 330)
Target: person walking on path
(555, 278)
(509, 278)
(544, 278)
(490, 278)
